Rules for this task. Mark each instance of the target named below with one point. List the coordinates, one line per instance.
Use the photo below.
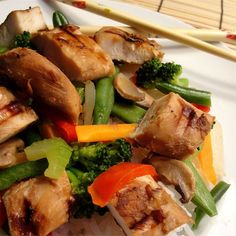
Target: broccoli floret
(86, 164)
(170, 72)
(148, 73)
(153, 71)
(22, 40)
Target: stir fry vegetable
(129, 113)
(166, 78)
(97, 133)
(202, 197)
(86, 164)
(189, 94)
(154, 71)
(59, 19)
(22, 40)
(217, 193)
(20, 172)
(104, 99)
(55, 150)
(205, 158)
(115, 178)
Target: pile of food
(99, 135)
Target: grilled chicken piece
(37, 206)
(173, 127)
(143, 207)
(76, 54)
(14, 116)
(123, 46)
(30, 20)
(12, 153)
(42, 79)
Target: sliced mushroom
(12, 153)
(147, 101)
(175, 172)
(127, 89)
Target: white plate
(204, 71)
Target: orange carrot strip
(96, 133)
(115, 178)
(205, 158)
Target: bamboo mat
(220, 14)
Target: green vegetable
(165, 77)
(86, 164)
(59, 19)
(22, 171)
(56, 150)
(81, 92)
(129, 113)
(22, 40)
(202, 197)
(3, 49)
(154, 71)
(189, 94)
(217, 192)
(104, 100)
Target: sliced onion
(89, 102)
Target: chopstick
(208, 35)
(143, 25)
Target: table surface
(220, 14)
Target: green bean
(217, 192)
(202, 197)
(22, 171)
(129, 113)
(189, 94)
(105, 97)
(59, 19)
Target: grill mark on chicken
(172, 127)
(128, 37)
(37, 206)
(193, 120)
(158, 216)
(10, 110)
(24, 223)
(127, 47)
(143, 207)
(40, 79)
(76, 54)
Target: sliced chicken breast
(41, 79)
(14, 116)
(143, 207)
(123, 46)
(17, 22)
(37, 206)
(173, 127)
(76, 54)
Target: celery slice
(57, 152)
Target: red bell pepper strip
(65, 128)
(201, 107)
(115, 178)
(3, 215)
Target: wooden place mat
(220, 14)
